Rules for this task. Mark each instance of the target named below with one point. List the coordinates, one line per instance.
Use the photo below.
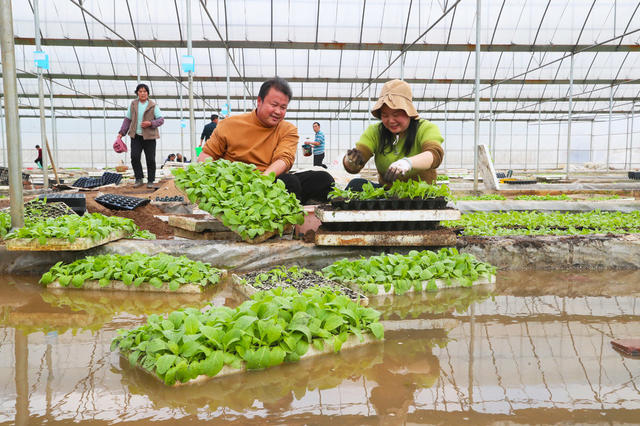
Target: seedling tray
(386, 215)
(435, 238)
(248, 290)
(59, 244)
(110, 178)
(121, 202)
(520, 182)
(441, 284)
(391, 204)
(144, 287)
(634, 175)
(351, 342)
(75, 200)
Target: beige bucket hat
(397, 95)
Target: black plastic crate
(109, 178)
(121, 202)
(77, 201)
(87, 182)
(634, 175)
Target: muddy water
(534, 349)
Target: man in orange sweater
(262, 137)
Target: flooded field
(533, 349)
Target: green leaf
(332, 322)
(156, 282)
(164, 363)
(212, 364)
(192, 325)
(77, 281)
(377, 329)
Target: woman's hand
(145, 124)
(353, 161)
(397, 169)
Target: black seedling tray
(109, 178)
(77, 202)
(378, 226)
(438, 203)
(520, 182)
(169, 199)
(634, 175)
(87, 182)
(501, 175)
(121, 202)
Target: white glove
(397, 168)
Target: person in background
(262, 137)
(181, 159)
(208, 129)
(318, 146)
(403, 145)
(141, 124)
(38, 160)
(170, 157)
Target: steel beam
(300, 45)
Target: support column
(104, 130)
(9, 84)
(192, 118)
(491, 148)
(609, 130)
(539, 131)
(3, 156)
(510, 145)
(181, 118)
(446, 113)
(43, 123)
(569, 116)
(558, 145)
(91, 140)
(633, 109)
(54, 130)
(476, 120)
(526, 144)
(138, 65)
(591, 143)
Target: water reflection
(536, 346)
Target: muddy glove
(353, 160)
(397, 169)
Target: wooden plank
(247, 290)
(352, 342)
(485, 166)
(441, 284)
(386, 215)
(59, 244)
(385, 238)
(197, 224)
(116, 285)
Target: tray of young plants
(72, 232)
(416, 271)
(410, 195)
(134, 272)
(534, 223)
(294, 276)
(276, 326)
(252, 205)
(37, 209)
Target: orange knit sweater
(244, 138)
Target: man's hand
(145, 124)
(397, 169)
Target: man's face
(272, 109)
(143, 95)
(316, 127)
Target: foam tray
(77, 201)
(121, 202)
(437, 203)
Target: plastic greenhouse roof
(336, 54)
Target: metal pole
(526, 144)
(609, 131)
(539, 131)
(181, 118)
(54, 131)
(633, 107)
(476, 120)
(43, 123)
(91, 139)
(138, 64)
(510, 144)
(626, 140)
(104, 130)
(192, 119)
(2, 141)
(228, 86)
(491, 122)
(558, 145)
(461, 143)
(591, 143)
(569, 115)
(9, 85)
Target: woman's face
(395, 120)
(143, 95)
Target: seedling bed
(59, 244)
(36, 209)
(144, 287)
(440, 284)
(121, 202)
(351, 342)
(246, 285)
(437, 203)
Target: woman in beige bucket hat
(403, 145)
